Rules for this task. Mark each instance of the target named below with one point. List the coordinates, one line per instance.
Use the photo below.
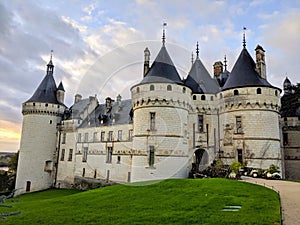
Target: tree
(13, 163)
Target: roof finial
(225, 62)
(244, 38)
(192, 58)
(51, 55)
(197, 50)
(164, 35)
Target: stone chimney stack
(146, 60)
(78, 97)
(260, 61)
(218, 69)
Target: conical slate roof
(200, 81)
(287, 81)
(46, 91)
(244, 74)
(162, 70)
(61, 86)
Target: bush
(235, 167)
(273, 169)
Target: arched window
(276, 93)
(235, 92)
(138, 90)
(258, 91)
(183, 90)
(151, 87)
(169, 88)
(194, 97)
(202, 97)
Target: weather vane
(197, 50)
(164, 35)
(51, 55)
(225, 62)
(244, 38)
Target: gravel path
(289, 194)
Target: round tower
(249, 117)
(160, 122)
(37, 156)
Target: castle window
(200, 123)
(79, 137)
(46, 105)
(258, 91)
(202, 97)
(32, 104)
(95, 137)
(119, 160)
(151, 87)
(86, 137)
(110, 136)
(221, 96)
(48, 166)
(238, 122)
(183, 90)
(50, 122)
(63, 140)
(235, 92)
(109, 154)
(138, 90)
(85, 153)
(285, 139)
(28, 184)
(240, 155)
(62, 155)
(211, 98)
(276, 93)
(151, 155)
(130, 134)
(194, 97)
(152, 121)
(119, 135)
(169, 88)
(102, 136)
(70, 154)
(95, 173)
(83, 172)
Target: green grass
(182, 201)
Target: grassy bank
(184, 201)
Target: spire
(244, 37)
(225, 63)
(50, 66)
(164, 34)
(197, 50)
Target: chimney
(119, 98)
(78, 98)
(260, 61)
(146, 60)
(218, 69)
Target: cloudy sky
(98, 45)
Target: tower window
(211, 98)
(235, 92)
(138, 90)
(70, 154)
(194, 97)
(202, 97)
(119, 160)
(130, 134)
(221, 96)
(258, 91)
(152, 121)
(151, 87)
(285, 139)
(151, 155)
(109, 154)
(63, 140)
(238, 122)
(83, 172)
(200, 123)
(276, 93)
(169, 88)
(46, 104)
(85, 153)
(62, 155)
(183, 90)
(50, 121)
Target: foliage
(289, 102)
(13, 162)
(178, 201)
(273, 169)
(236, 166)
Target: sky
(98, 45)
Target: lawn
(180, 201)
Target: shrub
(235, 167)
(273, 169)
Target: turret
(60, 93)
(37, 157)
(146, 61)
(287, 86)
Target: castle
(168, 127)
